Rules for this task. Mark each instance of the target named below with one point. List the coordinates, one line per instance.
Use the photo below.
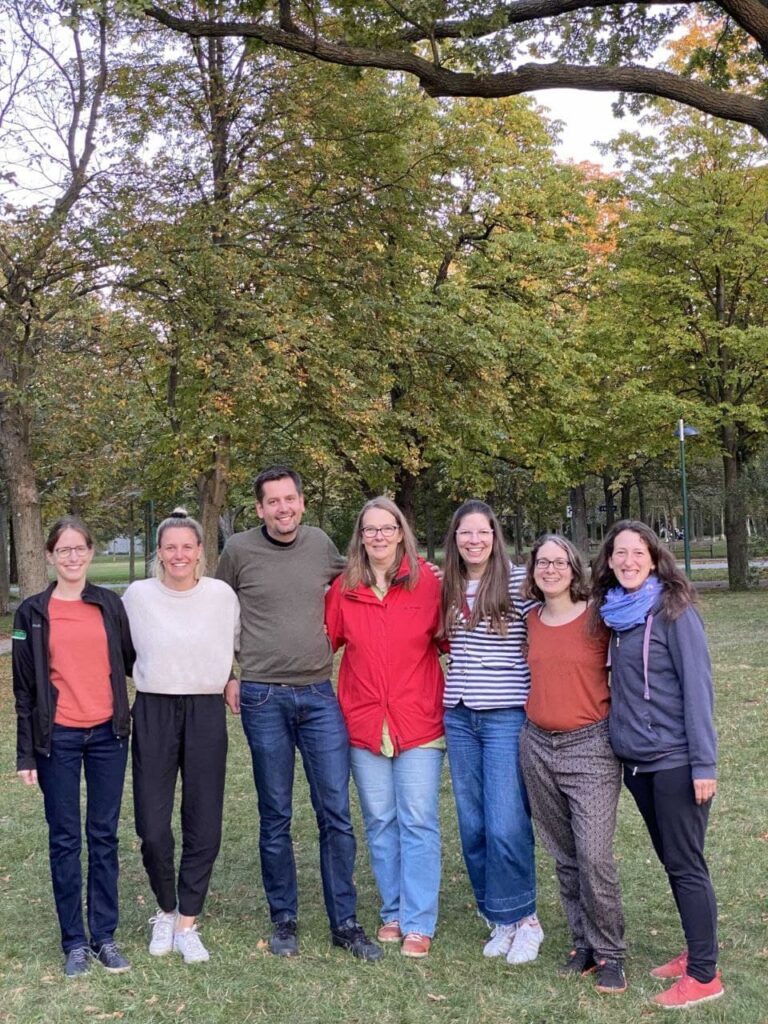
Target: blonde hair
(179, 517)
(359, 568)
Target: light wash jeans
(399, 797)
(493, 810)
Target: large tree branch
(751, 15)
(439, 81)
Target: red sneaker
(688, 992)
(416, 945)
(389, 932)
(674, 969)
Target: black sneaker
(350, 935)
(580, 961)
(110, 958)
(284, 941)
(78, 961)
(610, 977)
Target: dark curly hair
(678, 592)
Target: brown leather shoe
(416, 945)
(389, 932)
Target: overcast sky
(587, 118)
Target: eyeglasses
(469, 534)
(561, 564)
(80, 551)
(387, 532)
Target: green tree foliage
(693, 287)
(53, 83)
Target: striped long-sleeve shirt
(486, 670)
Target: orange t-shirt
(569, 679)
(79, 663)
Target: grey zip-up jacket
(662, 698)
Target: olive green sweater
(281, 589)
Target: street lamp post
(684, 431)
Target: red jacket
(390, 670)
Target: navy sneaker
(610, 977)
(110, 958)
(350, 935)
(580, 961)
(284, 941)
(78, 962)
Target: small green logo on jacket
(19, 634)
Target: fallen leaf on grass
(261, 944)
(181, 1007)
(434, 998)
(151, 1001)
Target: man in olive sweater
(279, 572)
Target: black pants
(172, 734)
(677, 826)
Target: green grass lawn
(244, 984)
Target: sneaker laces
(192, 942)
(79, 956)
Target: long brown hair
(579, 588)
(492, 601)
(678, 592)
(358, 568)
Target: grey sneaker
(190, 945)
(163, 924)
(111, 959)
(78, 962)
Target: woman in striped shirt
(485, 692)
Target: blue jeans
(399, 797)
(492, 808)
(104, 758)
(276, 721)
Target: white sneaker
(501, 940)
(525, 944)
(162, 932)
(190, 945)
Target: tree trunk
(626, 500)
(642, 510)
(405, 494)
(429, 529)
(579, 520)
(735, 517)
(609, 499)
(5, 579)
(24, 499)
(213, 486)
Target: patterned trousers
(573, 781)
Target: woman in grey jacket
(661, 729)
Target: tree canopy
(491, 49)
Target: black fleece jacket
(33, 690)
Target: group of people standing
(524, 711)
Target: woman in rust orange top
(71, 653)
(571, 774)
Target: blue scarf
(623, 609)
